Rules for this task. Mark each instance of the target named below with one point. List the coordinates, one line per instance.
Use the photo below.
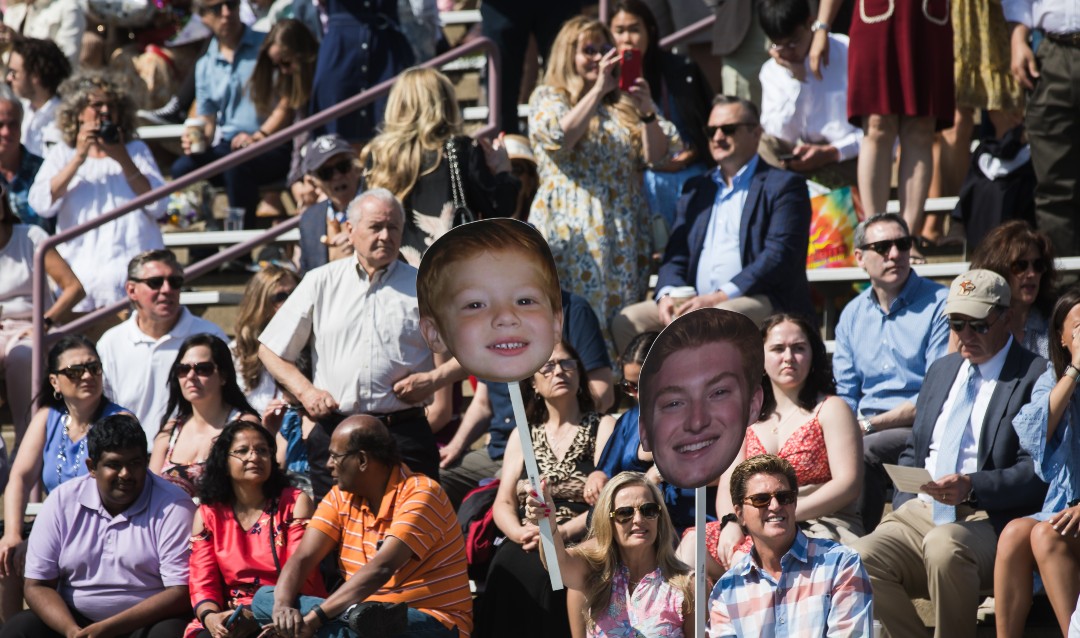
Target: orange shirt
(415, 511)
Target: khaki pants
(645, 317)
(908, 557)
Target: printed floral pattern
(653, 609)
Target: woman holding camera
(98, 168)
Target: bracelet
(263, 133)
(204, 614)
(819, 26)
(648, 119)
(323, 618)
(1072, 372)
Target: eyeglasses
(155, 283)
(326, 173)
(727, 129)
(216, 8)
(337, 457)
(244, 453)
(784, 497)
(884, 247)
(649, 511)
(1020, 266)
(629, 387)
(76, 372)
(281, 297)
(202, 369)
(978, 326)
(593, 50)
(568, 365)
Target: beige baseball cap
(976, 292)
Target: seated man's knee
(941, 549)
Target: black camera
(108, 132)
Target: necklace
(556, 443)
(61, 456)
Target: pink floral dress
(654, 609)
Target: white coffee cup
(196, 132)
(681, 294)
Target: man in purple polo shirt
(108, 555)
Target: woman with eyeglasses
(18, 243)
(803, 422)
(424, 158)
(1047, 542)
(99, 167)
(1025, 258)
(249, 521)
(567, 437)
(203, 397)
(53, 449)
(263, 296)
(633, 582)
(592, 141)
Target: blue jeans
(421, 625)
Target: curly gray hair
(75, 95)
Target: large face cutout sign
(489, 296)
(700, 389)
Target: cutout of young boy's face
(495, 316)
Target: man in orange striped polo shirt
(398, 539)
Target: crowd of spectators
(306, 474)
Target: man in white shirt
(35, 70)
(361, 319)
(138, 354)
(805, 119)
(1051, 74)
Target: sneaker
(377, 620)
(168, 114)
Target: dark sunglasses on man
(326, 171)
(234, 6)
(155, 283)
(883, 247)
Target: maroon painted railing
(215, 168)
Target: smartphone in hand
(630, 68)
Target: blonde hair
(562, 75)
(255, 311)
(421, 114)
(603, 556)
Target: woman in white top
(98, 168)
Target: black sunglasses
(326, 172)
(76, 372)
(648, 511)
(883, 247)
(784, 497)
(216, 8)
(1020, 266)
(978, 326)
(203, 369)
(155, 283)
(591, 49)
(727, 129)
(568, 365)
(281, 297)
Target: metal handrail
(38, 337)
(687, 32)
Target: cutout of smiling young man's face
(494, 312)
(695, 409)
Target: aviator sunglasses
(625, 514)
(784, 497)
(202, 369)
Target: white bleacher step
(210, 298)
(182, 239)
(468, 16)
(480, 113)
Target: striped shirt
(415, 511)
(823, 590)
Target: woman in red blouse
(248, 524)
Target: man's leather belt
(390, 419)
(1065, 39)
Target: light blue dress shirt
(721, 259)
(221, 87)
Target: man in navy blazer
(942, 542)
(740, 235)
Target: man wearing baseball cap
(981, 478)
(330, 162)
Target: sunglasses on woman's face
(202, 369)
(1020, 266)
(649, 511)
(281, 297)
(326, 173)
(784, 497)
(76, 372)
(593, 49)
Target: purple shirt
(104, 564)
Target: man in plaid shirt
(789, 585)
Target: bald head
(363, 433)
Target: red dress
(229, 564)
(900, 60)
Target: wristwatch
(819, 26)
(1072, 372)
(866, 425)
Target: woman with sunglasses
(263, 296)
(590, 139)
(249, 521)
(633, 582)
(203, 397)
(1025, 258)
(424, 158)
(99, 167)
(802, 422)
(567, 437)
(53, 449)
(1047, 542)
